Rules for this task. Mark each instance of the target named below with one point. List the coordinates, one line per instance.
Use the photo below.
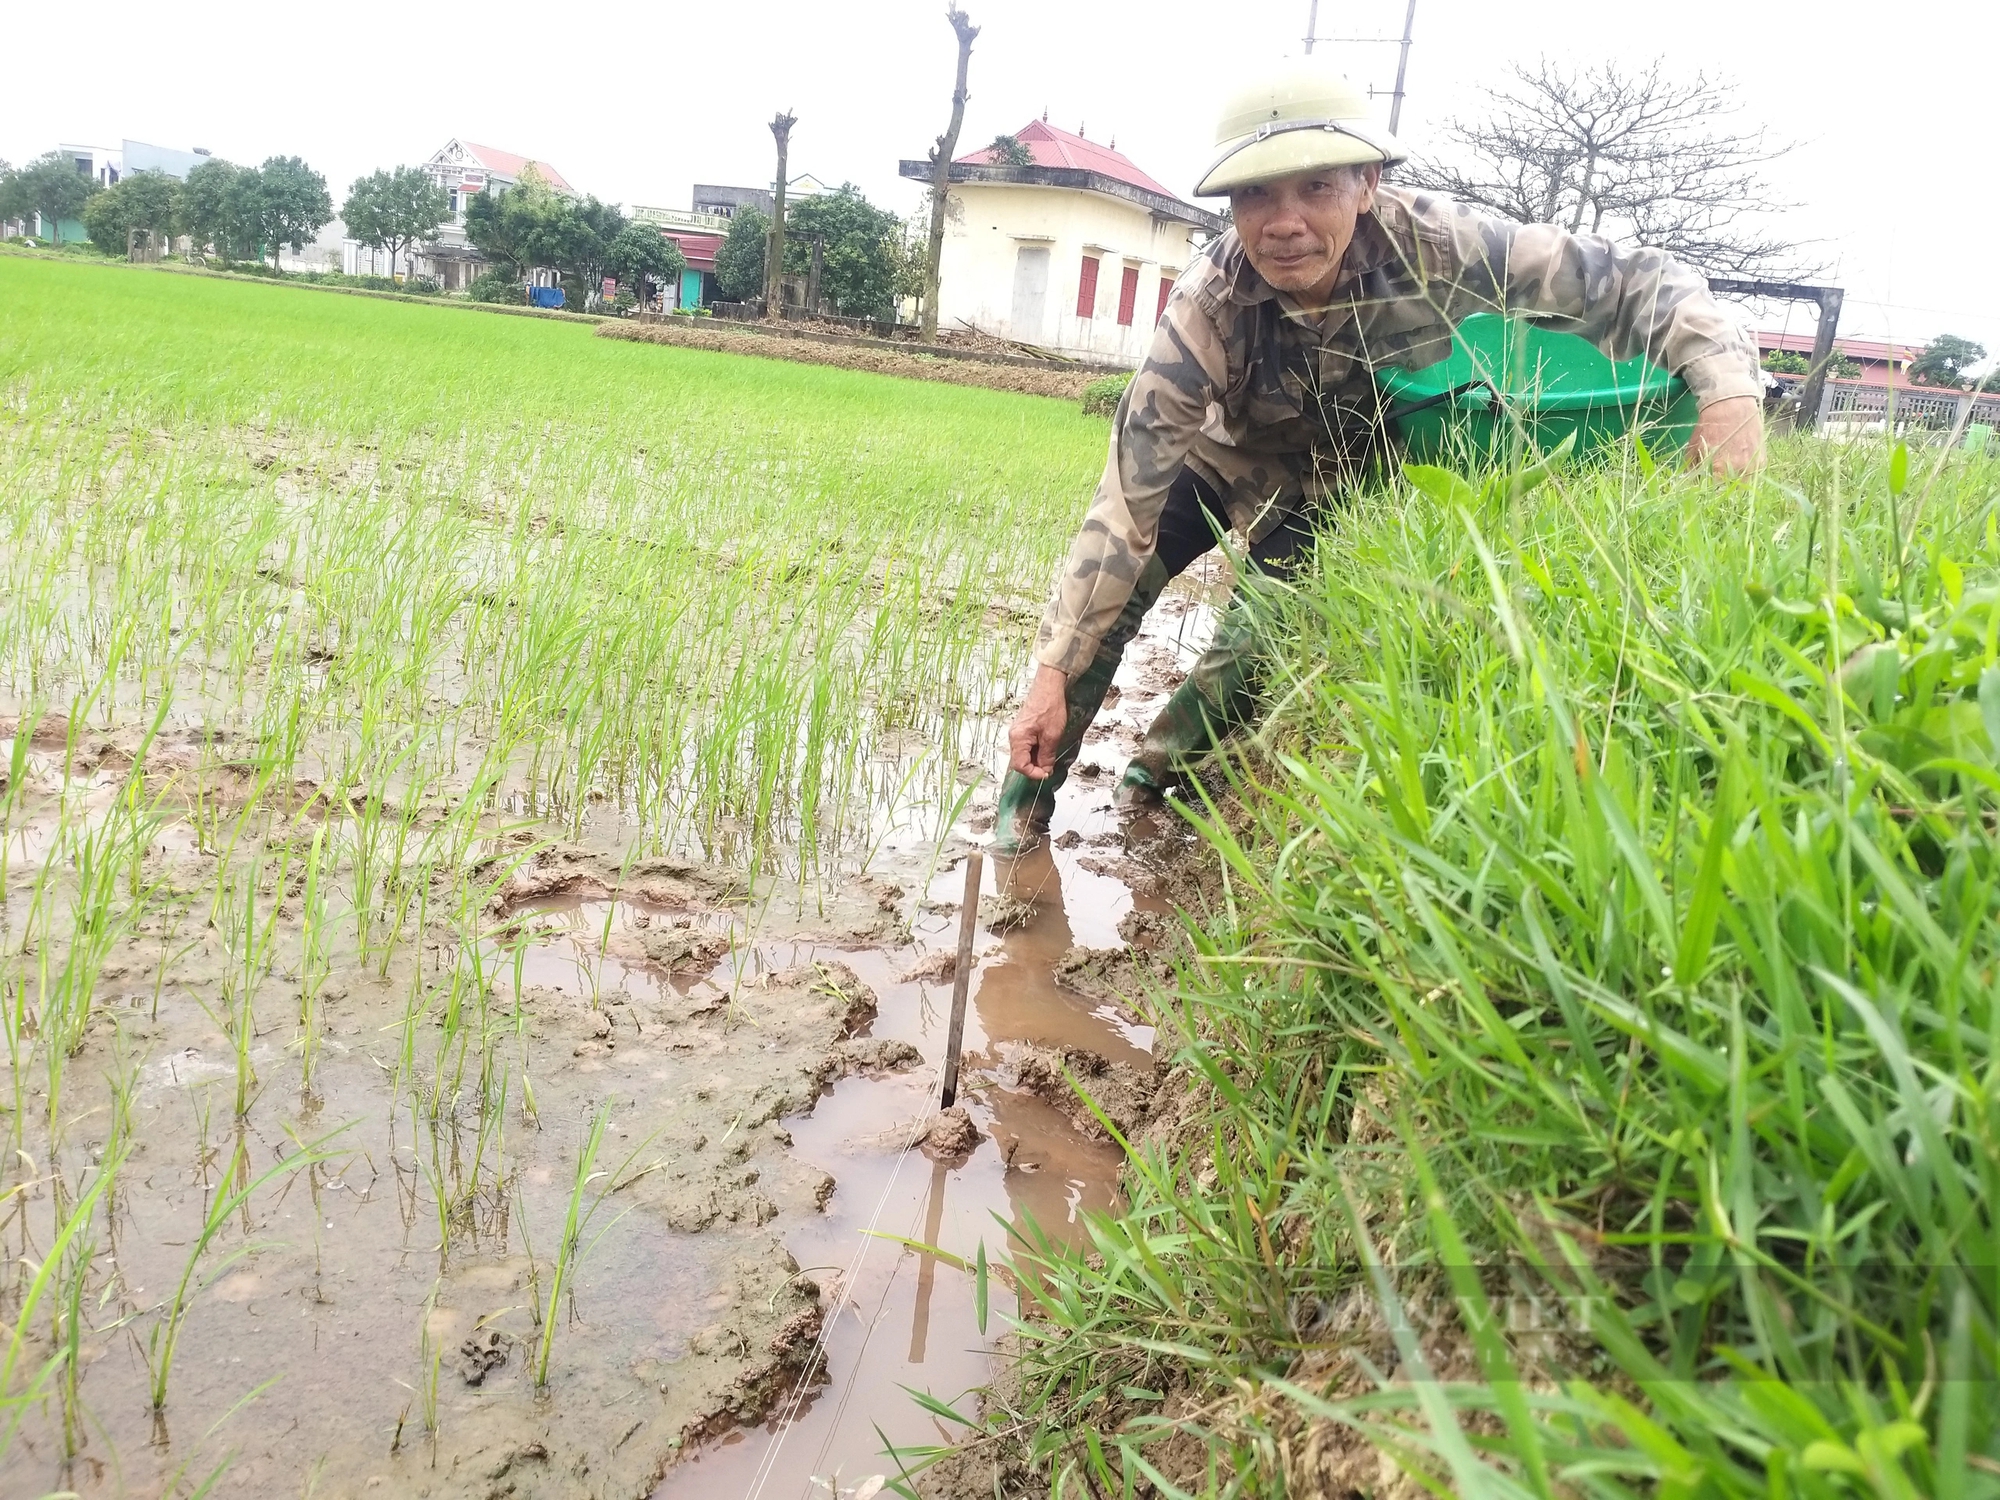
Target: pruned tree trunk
(941, 156)
(774, 250)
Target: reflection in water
(1034, 1169)
(920, 1322)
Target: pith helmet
(1298, 117)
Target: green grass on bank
(1599, 1023)
(744, 604)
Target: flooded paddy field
(483, 829)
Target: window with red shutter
(1166, 291)
(1086, 289)
(1128, 296)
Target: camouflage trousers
(1220, 692)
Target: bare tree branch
(941, 153)
(1636, 155)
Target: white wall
(982, 266)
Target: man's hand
(1037, 729)
(1729, 436)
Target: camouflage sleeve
(1151, 433)
(1626, 300)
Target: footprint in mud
(480, 1356)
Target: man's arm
(1151, 433)
(1628, 301)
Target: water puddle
(383, 1323)
(898, 1320)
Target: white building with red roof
(1073, 249)
(462, 168)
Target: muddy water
(340, 1318)
(900, 1320)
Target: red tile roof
(1875, 349)
(507, 164)
(1058, 148)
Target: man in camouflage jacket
(1256, 404)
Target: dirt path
(721, 338)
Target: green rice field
(754, 606)
(400, 707)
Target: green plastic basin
(1507, 386)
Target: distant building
(462, 168)
(1074, 252)
(141, 157)
(1880, 362)
(724, 201)
(700, 230)
(103, 165)
(698, 233)
(107, 165)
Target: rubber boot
(1220, 694)
(1021, 819)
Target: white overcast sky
(635, 102)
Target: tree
(641, 254)
(1010, 151)
(1636, 156)
(739, 264)
(284, 202)
(394, 210)
(774, 257)
(49, 185)
(591, 229)
(941, 154)
(212, 201)
(520, 228)
(149, 201)
(1944, 361)
(858, 272)
(908, 249)
(495, 227)
(1791, 362)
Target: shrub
(495, 286)
(1100, 397)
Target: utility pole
(1312, 25)
(774, 250)
(1402, 68)
(1402, 60)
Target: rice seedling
(431, 585)
(569, 1244)
(315, 959)
(223, 1201)
(57, 1274)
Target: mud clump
(950, 1136)
(874, 1056)
(1124, 1093)
(1115, 975)
(999, 914)
(940, 967)
(682, 949)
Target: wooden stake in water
(968, 924)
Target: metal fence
(1903, 409)
(1909, 409)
